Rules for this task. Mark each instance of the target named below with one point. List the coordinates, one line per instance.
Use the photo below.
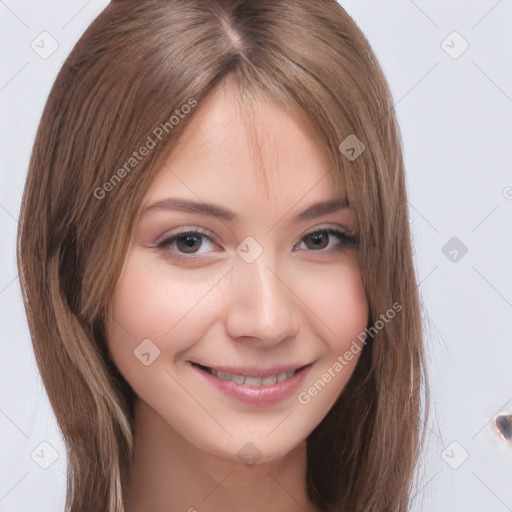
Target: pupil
(317, 239)
(189, 240)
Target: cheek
(338, 300)
(152, 302)
(351, 310)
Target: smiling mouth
(251, 381)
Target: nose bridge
(262, 306)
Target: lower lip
(257, 395)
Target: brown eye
(320, 240)
(185, 243)
(188, 243)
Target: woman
(215, 258)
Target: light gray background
(455, 116)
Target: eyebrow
(186, 205)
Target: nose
(261, 305)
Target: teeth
(269, 381)
(253, 381)
(239, 379)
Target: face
(237, 303)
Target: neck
(168, 473)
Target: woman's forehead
(227, 142)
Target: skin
(295, 303)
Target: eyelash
(346, 241)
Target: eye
(185, 242)
(189, 242)
(319, 240)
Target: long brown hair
(133, 68)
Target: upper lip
(253, 371)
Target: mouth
(252, 385)
(253, 378)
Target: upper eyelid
(208, 234)
(185, 231)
